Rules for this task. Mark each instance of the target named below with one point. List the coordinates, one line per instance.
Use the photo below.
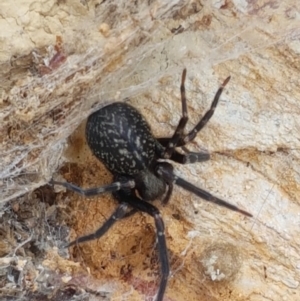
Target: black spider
(119, 136)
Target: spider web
(120, 52)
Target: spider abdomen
(120, 137)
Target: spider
(120, 137)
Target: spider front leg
(165, 170)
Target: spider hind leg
(141, 205)
(119, 213)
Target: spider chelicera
(120, 137)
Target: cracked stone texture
(60, 58)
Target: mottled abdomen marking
(121, 138)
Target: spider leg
(165, 170)
(179, 138)
(148, 208)
(178, 134)
(166, 199)
(190, 157)
(96, 190)
(119, 213)
(207, 196)
(193, 157)
(130, 213)
(203, 121)
(187, 158)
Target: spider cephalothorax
(119, 136)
